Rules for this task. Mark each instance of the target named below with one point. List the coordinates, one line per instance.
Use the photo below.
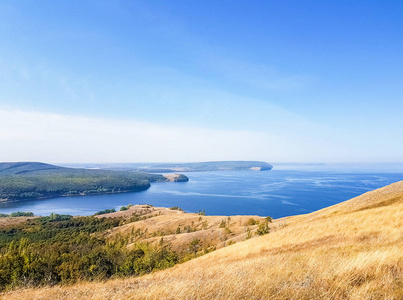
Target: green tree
(248, 233)
(263, 229)
(195, 245)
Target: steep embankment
(352, 250)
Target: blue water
(275, 193)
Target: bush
(55, 218)
(21, 214)
(123, 208)
(176, 208)
(251, 222)
(263, 229)
(248, 233)
(194, 245)
(189, 229)
(106, 211)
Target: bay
(283, 191)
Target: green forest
(65, 249)
(20, 181)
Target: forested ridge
(37, 180)
(185, 167)
(214, 166)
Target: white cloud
(37, 136)
(57, 138)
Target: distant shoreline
(73, 195)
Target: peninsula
(35, 180)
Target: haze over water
(286, 190)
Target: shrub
(194, 245)
(21, 214)
(55, 218)
(248, 233)
(176, 208)
(251, 222)
(263, 229)
(189, 229)
(209, 249)
(106, 211)
(123, 208)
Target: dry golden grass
(353, 250)
(142, 210)
(164, 222)
(14, 220)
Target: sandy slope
(353, 250)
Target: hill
(209, 166)
(179, 229)
(18, 168)
(187, 167)
(352, 250)
(62, 249)
(33, 180)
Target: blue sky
(304, 81)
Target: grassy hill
(179, 229)
(352, 250)
(139, 239)
(30, 180)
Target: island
(35, 180)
